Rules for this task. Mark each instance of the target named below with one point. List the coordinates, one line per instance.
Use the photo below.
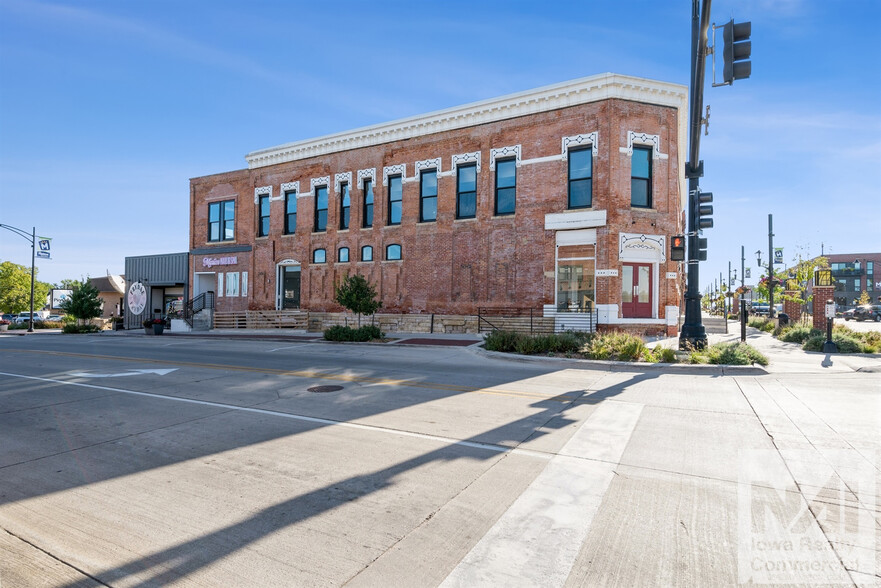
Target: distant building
(560, 200)
(855, 273)
(111, 290)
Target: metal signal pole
(693, 334)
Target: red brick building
(559, 199)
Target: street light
(33, 240)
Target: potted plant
(4, 324)
(148, 326)
(118, 323)
(158, 326)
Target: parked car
(25, 317)
(8, 317)
(760, 309)
(867, 312)
(848, 314)
(57, 318)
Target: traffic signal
(703, 210)
(677, 248)
(736, 52)
(700, 248)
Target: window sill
(319, 232)
(229, 242)
(364, 262)
(392, 261)
(424, 223)
(465, 220)
(503, 216)
(391, 227)
(288, 235)
(370, 228)
(342, 231)
(263, 238)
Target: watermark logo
(816, 529)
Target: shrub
(512, 342)
(797, 334)
(341, 333)
(845, 343)
(504, 341)
(761, 324)
(664, 355)
(734, 354)
(74, 328)
(616, 346)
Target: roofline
(564, 94)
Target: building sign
(212, 261)
(606, 273)
(137, 298)
(59, 296)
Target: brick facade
(454, 266)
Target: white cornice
(581, 91)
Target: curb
(629, 366)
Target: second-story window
(345, 206)
(466, 191)
(641, 177)
(506, 186)
(319, 256)
(343, 255)
(222, 221)
(263, 225)
(367, 218)
(320, 208)
(290, 212)
(428, 196)
(393, 252)
(367, 253)
(395, 198)
(580, 178)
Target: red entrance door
(636, 290)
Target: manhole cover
(322, 389)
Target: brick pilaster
(822, 294)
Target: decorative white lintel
(291, 187)
(653, 141)
(394, 170)
(641, 247)
(262, 191)
(366, 174)
(464, 158)
(322, 181)
(502, 153)
(578, 141)
(340, 178)
(434, 164)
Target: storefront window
(576, 266)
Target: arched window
(367, 253)
(343, 255)
(393, 252)
(319, 256)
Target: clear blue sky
(107, 108)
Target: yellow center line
(313, 374)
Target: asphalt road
(157, 461)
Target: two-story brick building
(559, 199)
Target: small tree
(83, 303)
(864, 298)
(356, 294)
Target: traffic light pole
(693, 334)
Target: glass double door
(636, 290)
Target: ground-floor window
(576, 268)
(232, 284)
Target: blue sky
(107, 108)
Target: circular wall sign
(137, 298)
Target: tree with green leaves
(864, 298)
(799, 276)
(15, 289)
(357, 294)
(66, 284)
(83, 303)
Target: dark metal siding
(169, 269)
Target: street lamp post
(33, 239)
(770, 266)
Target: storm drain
(323, 389)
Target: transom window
(395, 197)
(428, 196)
(641, 177)
(580, 178)
(345, 206)
(367, 220)
(290, 212)
(466, 191)
(393, 252)
(576, 268)
(343, 255)
(319, 256)
(263, 225)
(320, 208)
(367, 253)
(506, 186)
(222, 221)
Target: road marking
(536, 541)
(128, 373)
(317, 375)
(329, 422)
(290, 347)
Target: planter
(119, 326)
(4, 327)
(158, 329)
(148, 330)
